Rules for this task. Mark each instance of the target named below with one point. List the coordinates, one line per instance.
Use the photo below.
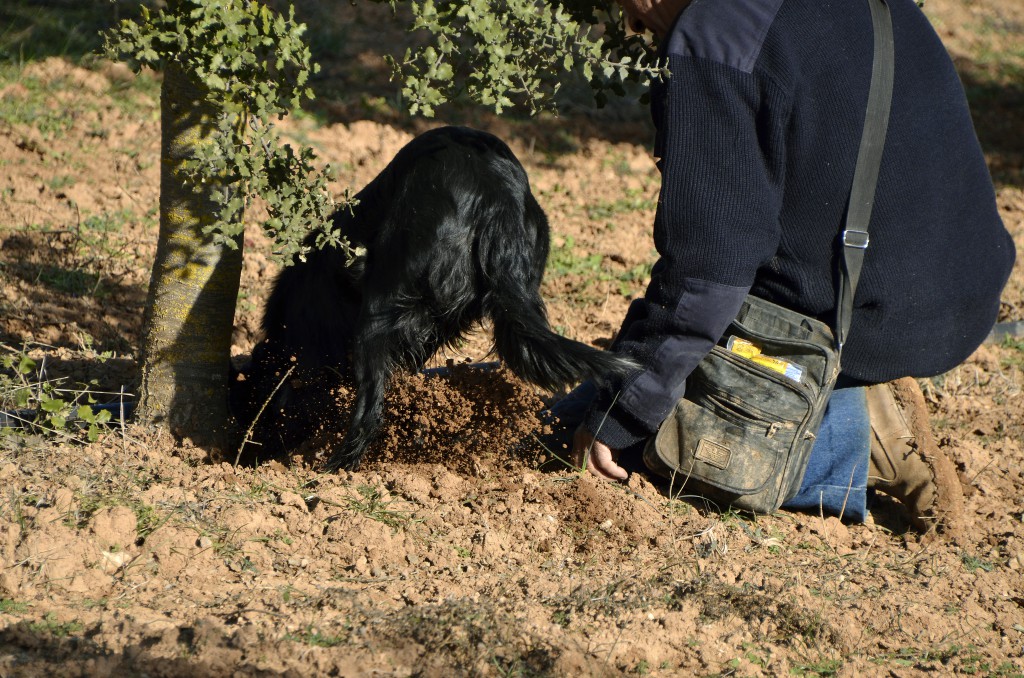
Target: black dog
(452, 233)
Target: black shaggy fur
(452, 234)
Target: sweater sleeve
(719, 144)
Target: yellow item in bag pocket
(752, 352)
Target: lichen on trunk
(194, 286)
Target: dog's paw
(340, 461)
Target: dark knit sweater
(757, 134)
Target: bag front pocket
(739, 458)
(732, 436)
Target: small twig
(825, 533)
(124, 441)
(252, 426)
(981, 470)
(608, 659)
(849, 488)
(35, 557)
(42, 377)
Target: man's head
(654, 15)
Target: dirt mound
(468, 418)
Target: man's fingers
(598, 458)
(603, 463)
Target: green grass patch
(317, 638)
(9, 606)
(61, 182)
(80, 253)
(1001, 49)
(973, 564)
(825, 667)
(34, 105)
(370, 502)
(147, 518)
(41, 104)
(564, 260)
(1014, 348)
(959, 659)
(58, 629)
(634, 201)
(75, 283)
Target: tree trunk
(194, 286)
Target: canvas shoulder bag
(742, 434)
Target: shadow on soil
(459, 636)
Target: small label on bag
(713, 454)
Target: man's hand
(596, 456)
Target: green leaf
(26, 365)
(22, 397)
(51, 404)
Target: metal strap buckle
(855, 238)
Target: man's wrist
(614, 427)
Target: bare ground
(452, 552)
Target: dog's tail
(534, 352)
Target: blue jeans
(836, 479)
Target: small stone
(204, 542)
(114, 561)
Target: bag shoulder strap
(869, 159)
